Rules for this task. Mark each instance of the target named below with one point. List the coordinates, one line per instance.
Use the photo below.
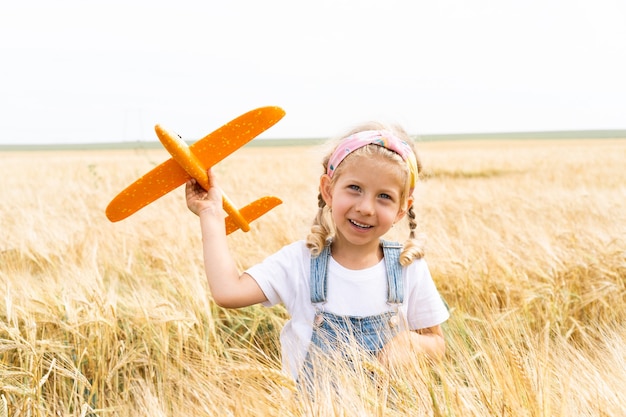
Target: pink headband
(382, 138)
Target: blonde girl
(344, 286)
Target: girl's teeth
(359, 224)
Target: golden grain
(526, 241)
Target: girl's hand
(404, 350)
(199, 199)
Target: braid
(412, 248)
(319, 230)
(320, 202)
(412, 222)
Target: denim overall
(335, 336)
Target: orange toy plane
(193, 161)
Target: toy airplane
(193, 161)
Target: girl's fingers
(212, 181)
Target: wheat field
(526, 241)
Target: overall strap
(317, 281)
(395, 285)
(391, 252)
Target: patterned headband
(382, 138)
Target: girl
(344, 286)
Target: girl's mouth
(360, 225)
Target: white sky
(87, 71)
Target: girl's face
(365, 198)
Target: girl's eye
(385, 196)
(354, 187)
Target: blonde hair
(323, 229)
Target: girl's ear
(403, 210)
(326, 190)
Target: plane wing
(209, 150)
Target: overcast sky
(87, 71)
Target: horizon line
(428, 137)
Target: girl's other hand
(404, 350)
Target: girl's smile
(363, 226)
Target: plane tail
(252, 212)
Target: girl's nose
(365, 207)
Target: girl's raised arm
(228, 287)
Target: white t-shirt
(284, 278)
